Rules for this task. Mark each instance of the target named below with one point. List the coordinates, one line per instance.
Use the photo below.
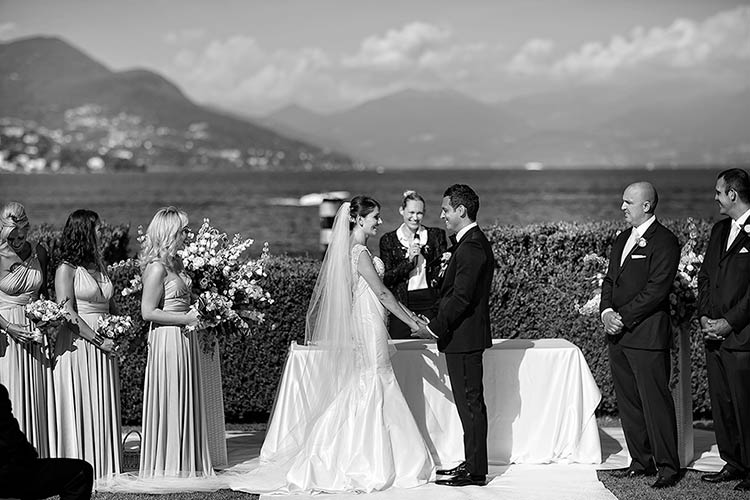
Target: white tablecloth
(540, 397)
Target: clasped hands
(715, 329)
(421, 332)
(612, 323)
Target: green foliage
(539, 283)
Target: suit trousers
(70, 478)
(466, 371)
(641, 380)
(729, 388)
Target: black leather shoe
(664, 482)
(455, 471)
(743, 485)
(633, 473)
(722, 476)
(463, 480)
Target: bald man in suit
(635, 312)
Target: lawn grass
(690, 487)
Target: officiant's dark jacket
(398, 267)
(724, 284)
(639, 289)
(463, 320)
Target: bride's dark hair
(361, 206)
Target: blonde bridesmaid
(24, 366)
(175, 440)
(86, 377)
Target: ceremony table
(540, 397)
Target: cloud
(184, 36)
(239, 73)
(6, 29)
(413, 45)
(684, 44)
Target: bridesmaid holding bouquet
(86, 377)
(24, 366)
(175, 439)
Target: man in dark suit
(462, 328)
(635, 312)
(23, 475)
(724, 312)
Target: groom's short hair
(461, 194)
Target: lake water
(247, 202)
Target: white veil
(330, 334)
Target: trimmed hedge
(539, 282)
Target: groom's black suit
(462, 326)
(639, 355)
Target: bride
(354, 431)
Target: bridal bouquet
(47, 316)
(226, 282)
(114, 327)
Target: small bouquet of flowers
(114, 327)
(47, 316)
(226, 282)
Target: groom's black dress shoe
(743, 485)
(722, 476)
(463, 480)
(665, 482)
(455, 471)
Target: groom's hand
(423, 333)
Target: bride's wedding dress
(364, 438)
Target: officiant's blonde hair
(163, 237)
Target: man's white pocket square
(637, 256)
(743, 250)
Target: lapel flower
(642, 242)
(444, 263)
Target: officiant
(412, 257)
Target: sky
(254, 56)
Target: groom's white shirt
(459, 235)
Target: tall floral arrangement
(225, 281)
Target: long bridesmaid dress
(25, 368)
(87, 384)
(175, 439)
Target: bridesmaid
(411, 255)
(175, 440)
(24, 366)
(86, 377)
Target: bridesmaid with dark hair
(411, 255)
(86, 377)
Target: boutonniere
(642, 242)
(444, 263)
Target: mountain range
(48, 83)
(664, 123)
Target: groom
(462, 328)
